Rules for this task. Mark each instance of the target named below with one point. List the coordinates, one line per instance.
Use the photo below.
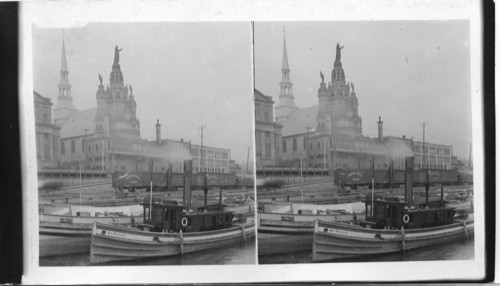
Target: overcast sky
(407, 72)
(184, 74)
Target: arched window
(63, 148)
(318, 145)
(96, 148)
(294, 144)
(73, 149)
(83, 145)
(284, 146)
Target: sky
(407, 72)
(187, 75)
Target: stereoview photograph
(364, 141)
(144, 144)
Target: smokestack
(380, 129)
(188, 170)
(409, 180)
(158, 131)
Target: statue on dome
(130, 88)
(352, 87)
(338, 54)
(322, 77)
(117, 54)
(100, 79)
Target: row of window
(428, 149)
(210, 153)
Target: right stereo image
(363, 141)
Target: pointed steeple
(286, 84)
(64, 106)
(64, 64)
(285, 56)
(286, 104)
(64, 86)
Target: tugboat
(391, 225)
(169, 229)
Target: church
(107, 137)
(329, 135)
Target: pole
(324, 152)
(80, 182)
(301, 186)
(424, 159)
(102, 155)
(373, 182)
(470, 156)
(201, 149)
(248, 156)
(151, 192)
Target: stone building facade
(267, 132)
(432, 156)
(329, 135)
(107, 137)
(210, 159)
(46, 132)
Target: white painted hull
(334, 241)
(116, 243)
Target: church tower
(339, 102)
(286, 104)
(116, 105)
(64, 106)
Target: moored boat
(77, 221)
(392, 225)
(297, 218)
(168, 230)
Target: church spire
(64, 106)
(286, 104)
(64, 86)
(285, 54)
(64, 63)
(285, 84)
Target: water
(456, 250)
(237, 254)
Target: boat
(392, 224)
(77, 221)
(299, 218)
(169, 229)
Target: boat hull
(334, 241)
(79, 226)
(111, 243)
(284, 223)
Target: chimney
(409, 180)
(158, 132)
(380, 129)
(188, 171)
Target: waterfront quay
(74, 250)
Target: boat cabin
(169, 216)
(394, 213)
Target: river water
(237, 254)
(456, 250)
